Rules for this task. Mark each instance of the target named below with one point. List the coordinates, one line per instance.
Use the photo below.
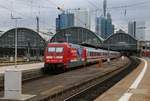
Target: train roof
(88, 46)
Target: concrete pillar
(108, 60)
(13, 85)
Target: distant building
(100, 26)
(140, 30)
(74, 17)
(104, 26)
(104, 7)
(147, 31)
(144, 45)
(132, 28)
(113, 29)
(64, 20)
(81, 17)
(110, 27)
(137, 30)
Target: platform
(22, 67)
(134, 87)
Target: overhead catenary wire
(119, 7)
(9, 9)
(54, 5)
(90, 2)
(125, 7)
(130, 5)
(25, 4)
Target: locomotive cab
(55, 56)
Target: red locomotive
(61, 56)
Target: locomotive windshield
(51, 49)
(55, 49)
(59, 49)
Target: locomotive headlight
(59, 57)
(49, 57)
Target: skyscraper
(104, 26)
(104, 7)
(147, 30)
(81, 17)
(73, 17)
(109, 29)
(98, 28)
(140, 30)
(132, 28)
(64, 20)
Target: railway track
(89, 90)
(92, 92)
(62, 93)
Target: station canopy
(77, 35)
(120, 42)
(28, 42)
(25, 38)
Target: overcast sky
(47, 11)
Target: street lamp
(16, 22)
(28, 50)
